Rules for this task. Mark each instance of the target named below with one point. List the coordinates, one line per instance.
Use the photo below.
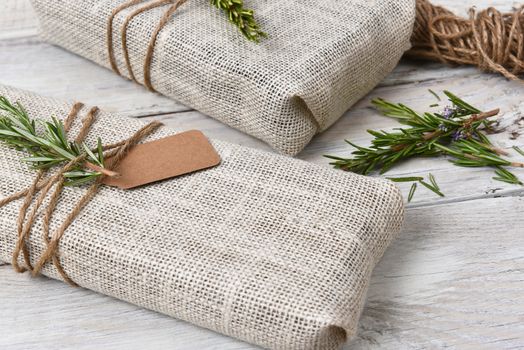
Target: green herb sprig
(49, 147)
(242, 18)
(457, 132)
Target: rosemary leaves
(240, 17)
(49, 147)
(456, 132)
(432, 185)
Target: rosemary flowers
(456, 132)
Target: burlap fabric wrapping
(268, 249)
(321, 57)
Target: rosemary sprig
(241, 17)
(49, 147)
(456, 132)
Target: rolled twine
(41, 188)
(488, 39)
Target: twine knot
(41, 187)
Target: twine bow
(41, 187)
(489, 39)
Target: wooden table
(454, 278)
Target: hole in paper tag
(162, 159)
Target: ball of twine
(488, 39)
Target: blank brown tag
(163, 159)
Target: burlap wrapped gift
(265, 248)
(319, 59)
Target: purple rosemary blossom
(442, 128)
(448, 112)
(457, 135)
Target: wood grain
(17, 19)
(453, 279)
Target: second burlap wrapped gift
(320, 57)
(265, 248)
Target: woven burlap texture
(265, 248)
(320, 58)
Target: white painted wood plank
(454, 278)
(17, 19)
(462, 7)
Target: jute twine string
(123, 33)
(41, 187)
(488, 39)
